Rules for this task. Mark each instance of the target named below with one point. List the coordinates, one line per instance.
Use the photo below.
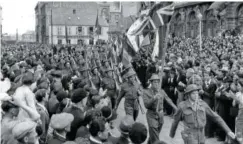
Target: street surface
(164, 135)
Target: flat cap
(61, 121)
(126, 124)
(56, 73)
(22, 128)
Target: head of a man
(98, 129)
(25, 132)
(61, 123)
(155, 81)
(138, 133)
(192, 92)
(10, 108)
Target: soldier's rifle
(89, 75)
(117, 85)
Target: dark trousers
(155, 123)
(135, 115)
(113, 102)
(210, 126)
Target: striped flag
(156, 46)
(97, 25)
(168, 11)
(219, 9)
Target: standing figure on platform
(153, 100)
(193, 113)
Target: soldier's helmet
(154, 77)
(190, 88)
(130, 73)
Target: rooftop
(185, 4)
(74, 13)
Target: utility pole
(17, 35)
(0, 44)
(51, 30)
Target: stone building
(69, 22)
(184, 20)
(29, 36)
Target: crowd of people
(71, 95)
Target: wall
(182, 21)
(73, 36)
(130, 8)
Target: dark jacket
(77, 122)
(57, 139)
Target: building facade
(184, 21)
(69, 22)
(0, 26)
(29, 36)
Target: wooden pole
(0, 42)
(163, 46)
(200, 34)
(51, 30)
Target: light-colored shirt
(25, 94)
(239, 97)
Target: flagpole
(163, 48)
(200, 34)
(51, 30)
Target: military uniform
(130, 92)
(110, 84)
(195, 121)
(155, 119)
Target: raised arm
(169, 101)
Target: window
(91, 41)
(80, 42)
(69, 41)
(116, 17)
(69, 30)
(80, 29)
(74, 11)
(59, 30)
(59, 41)
(91, 30)
(101, 31)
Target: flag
(198, 13)
(66, 33)
(156, 46)
(97, 25)
(165, 11)
(126, 54)
(145, 41)
(219, 9)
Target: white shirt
(239, 97)
(25, 95)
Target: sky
(18, 14)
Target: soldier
(130, 91)
(153, 100)
(96, 77)
(84, 78)
(193, 113)
(110, 84)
